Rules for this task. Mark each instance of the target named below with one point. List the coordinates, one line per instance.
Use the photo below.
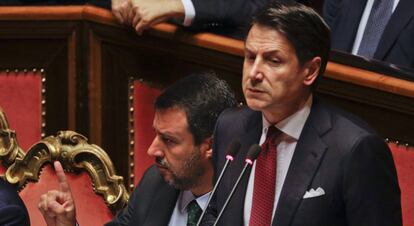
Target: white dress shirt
(291, 127)
(189, 12)
(179, 215)
(363, 23)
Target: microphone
(252, 155)
(232, 151)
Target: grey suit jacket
(151, 203)
(396, 44)
(336, 152)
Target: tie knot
(272, 134)
(193, 212)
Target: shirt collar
(187, 196)
(292, 125)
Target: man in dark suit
(318, 166)
(348, 18)
(13, 212)
(185, 115)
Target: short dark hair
(303, 27)
(203, 96)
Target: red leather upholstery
(20, 99)
(90, 208)
(143, 103)
(404, 162)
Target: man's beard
(189, 175)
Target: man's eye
(168, 140)
(274, 60)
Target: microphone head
(253, 153)
(233, 149)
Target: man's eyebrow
(168, 134)
(267, 52)
(249, 51)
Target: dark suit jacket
(151, 203)
(13, 212)
(396, 44)
(215, 14)
(212, 14)
(335, 152)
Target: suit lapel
(399, 19)
(305, 162)
(346, 24)
(251, 135)
(162, 207)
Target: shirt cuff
(189, 12)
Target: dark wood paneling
(389, 114)
(31, 44)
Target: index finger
(63, 183)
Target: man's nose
(155, 149)
(256, 72)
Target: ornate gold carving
(9, 148)
(75, 154)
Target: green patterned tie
(194, 212)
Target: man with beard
(175, 189)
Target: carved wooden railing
(9, 148)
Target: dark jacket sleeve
(13, 215)
(330, 10)
(370, 185)
(13, 212)
(124, 217)
(225, 13)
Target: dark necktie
(378, 18)
(264, 181)
(193, 213)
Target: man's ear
(207, 147)
(311, 70)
